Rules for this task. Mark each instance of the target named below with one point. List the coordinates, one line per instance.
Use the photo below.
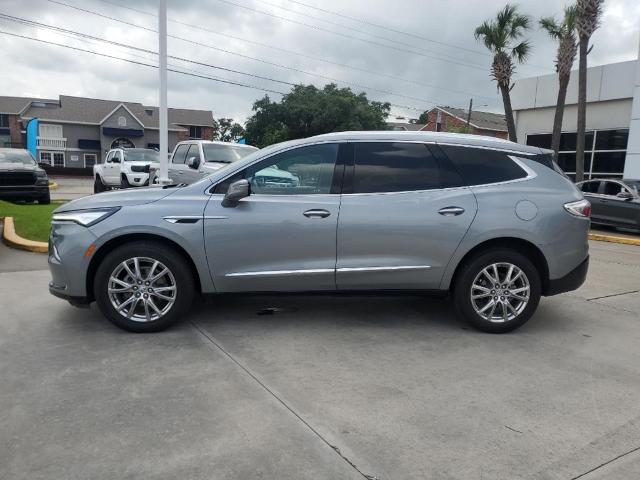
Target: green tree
(308, 110)
(226, 130)
(564, 33)
(588, 14)
(499, 36)
(424, 117)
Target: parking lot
(322, 387)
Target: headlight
(86, 218)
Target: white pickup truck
(194, 159)
(124, 168)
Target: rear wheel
(98, 185)
(497, 291)
(144, 287)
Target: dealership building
(612, 147)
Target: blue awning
(122, 132)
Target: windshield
(225, 153)
(141, 155)
(16, 156)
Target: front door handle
(317, 213)
(451, 211)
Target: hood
(18, 166)
(119, 198)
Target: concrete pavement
(325, 387)
(70, 188)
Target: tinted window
(612, 188)
(542, 140)
(180, 155)
(479, 166)
(394, 167)
(612, 139)
(590, 187)
(301, 171)
(610, 162)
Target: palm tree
(499, 36)
(564, 33)
(587, 21)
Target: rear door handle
(317, 213)
(448, 211)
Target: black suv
(21, 178)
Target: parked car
(194, 159)
(614, 203)
(21, 178)
(492, 223)
(124, 168)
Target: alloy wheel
(500, 292)
(142, 289)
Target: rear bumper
(571, 281)
(24, 191)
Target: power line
(390, 29)
(351, 37)
(208, 77)
(187, 60)
(284, 50)
(197, 75)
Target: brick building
(450, 119)
(76, 132)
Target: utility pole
(164, 120)
(469, 116)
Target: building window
(89, 160)
(4, 120)
(58, 159)
(50, 131)
(45, 157)
(604, 155)
(122, 121)
(195, 132)
(149, 112)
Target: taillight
(581, 208)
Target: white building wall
(632, 162)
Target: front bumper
(137, 179)
(68, 262)
(24, 191)
(57, 291)
(571, 281)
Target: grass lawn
(32, 220)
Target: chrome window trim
(425, 142)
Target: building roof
(405, 126)
(481, 120)
(93, 111)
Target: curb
(12, 239)
(612, 239)
(52, 185)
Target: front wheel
(497, 291)
(124, 182)
(144, 286)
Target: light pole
(164, 120)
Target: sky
(412, 53)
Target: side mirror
(237, 191)
(624, 195)
(193, 162)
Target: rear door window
(394, 167)
(481, 166)
(590, 187)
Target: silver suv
(492, 223)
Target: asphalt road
(323, 387)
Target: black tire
(98, 186)
(176, 264)
(124, 182)
(467, 275)
(45, 199)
